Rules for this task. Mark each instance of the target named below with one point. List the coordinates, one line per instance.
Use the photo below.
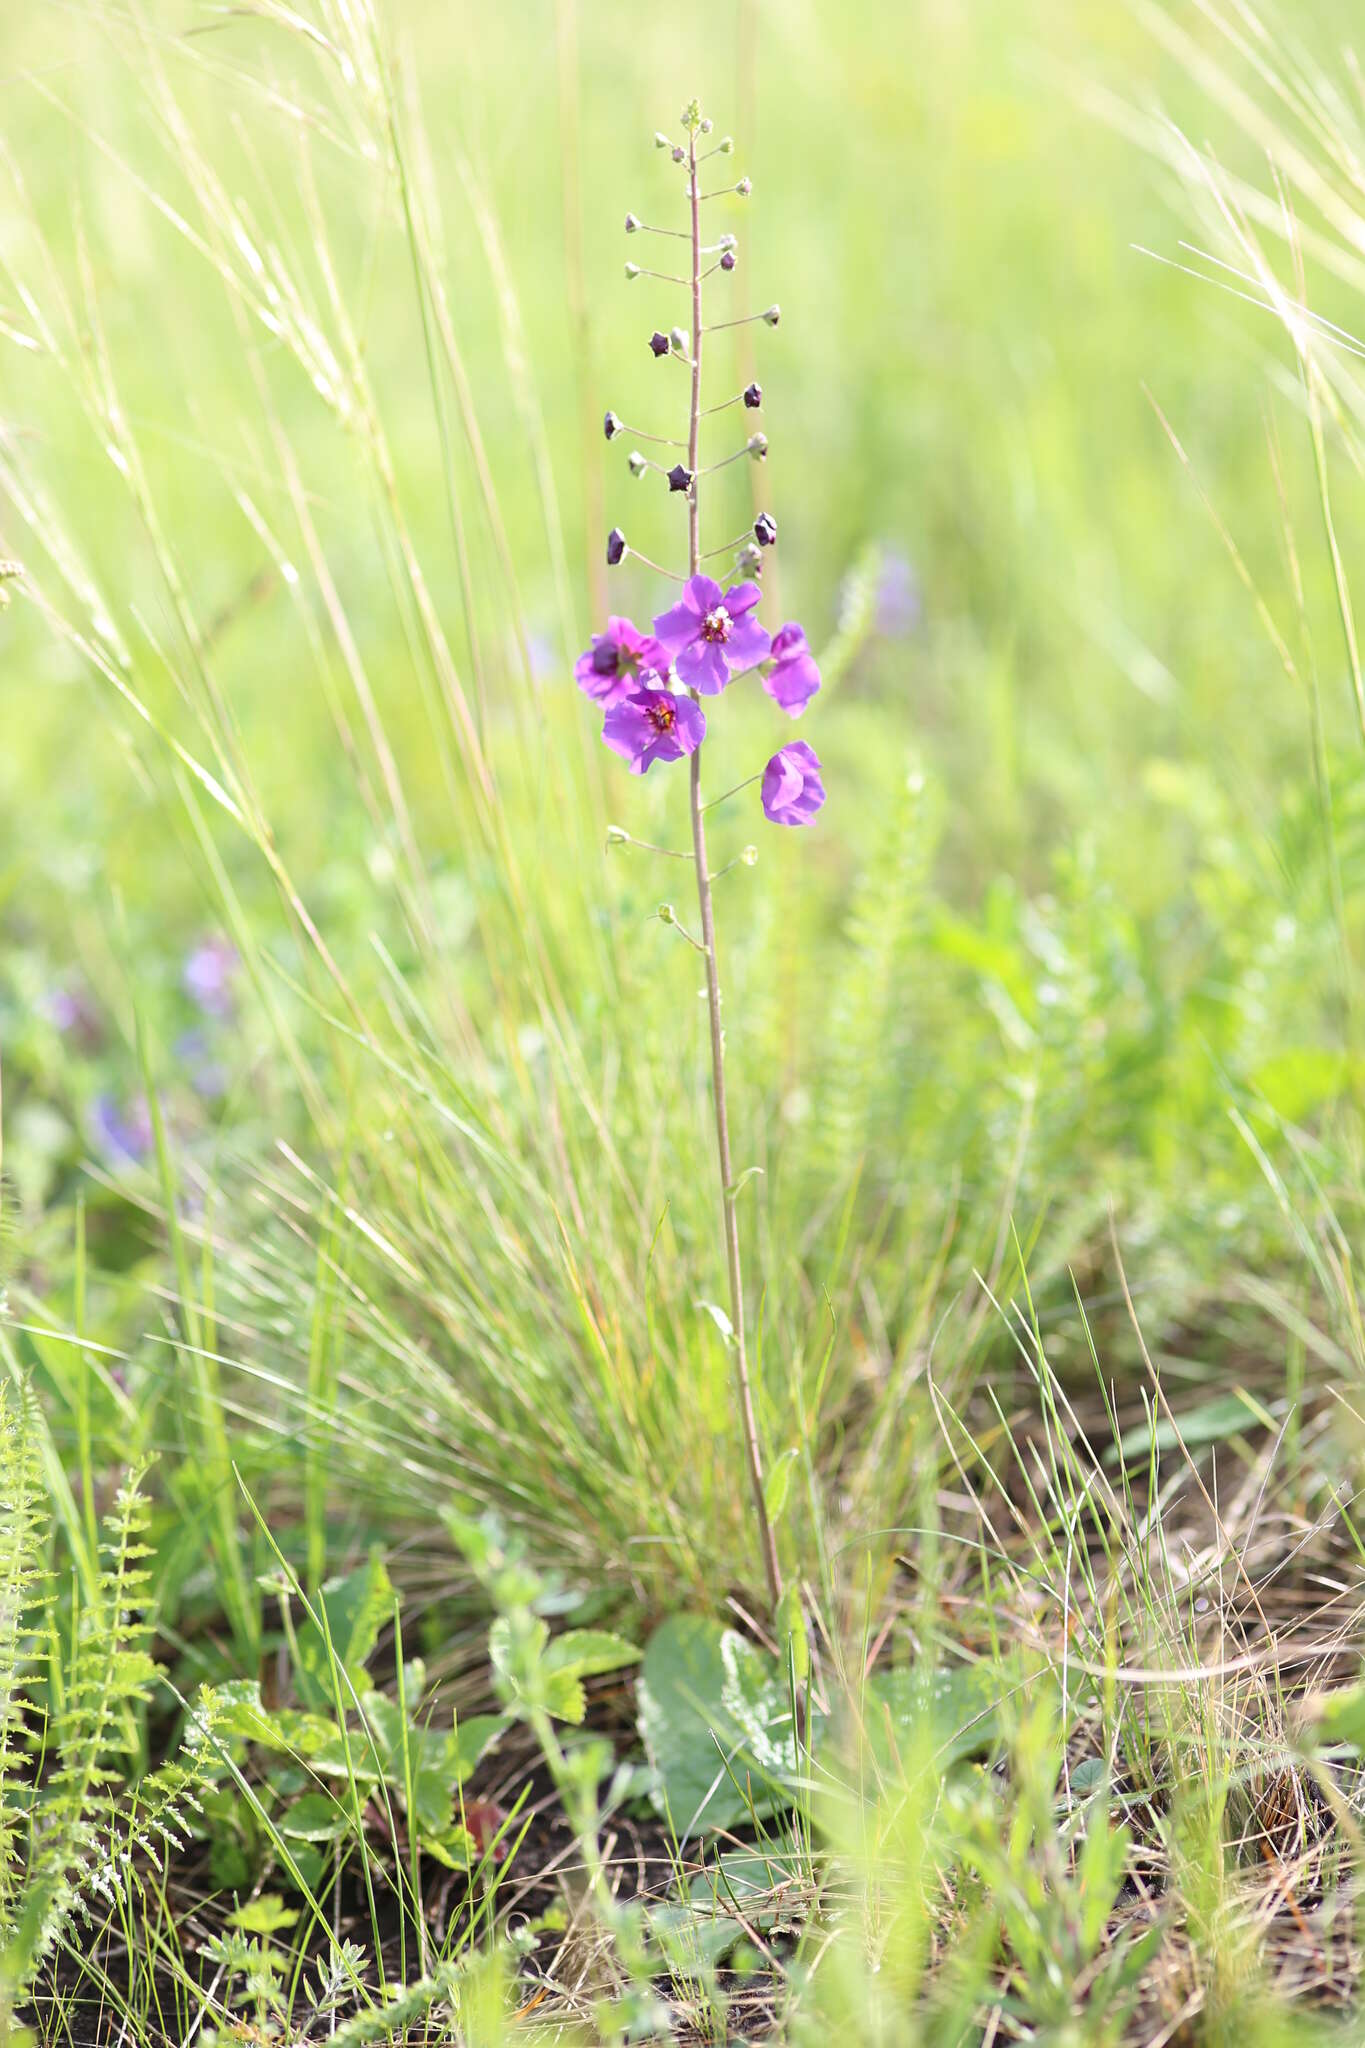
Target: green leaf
(357, 1607)
(315, 1818)
(777, 1485)
(955, 1710)
(588, 1652)
(239, 1713)
(266, 1915)
(708, 1697)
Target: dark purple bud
(659, 343)
(753, 396)
(745, 187)
(679, 479)
(616, 546)
(632, 224)
(765, 530)
(727, 261)
(611, 426)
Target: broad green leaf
(315, 1818)
(357, 1607)
(240, 1714)
(707, 1698)
(588, 1652)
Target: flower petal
(702, 666)
(748, 643)
(741, 597)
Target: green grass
(1046, 1042)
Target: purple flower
(208, 976)
(792, 789)
(613, 665)
(122, 1135)
(653, 725)
(208, 1076)
(713, 637)
(72, 1013)
(899, 602)
(794, 678)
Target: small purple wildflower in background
(712, 636)
(613, 665)
(122, 1134)
(792, 789)
(70, 1011)
(207, 1076)
(899, 599)
(653, 725)
(209, 974)
(794, 678)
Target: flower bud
(727, 261)
(749, 561)
(632, 270)
(611, 426)
(726, 145)
(659, 343)
(757, 445)
(636, 463)
(677, 341)
(750, 856)
(666, 914)
(753, 396)
(617, 835)
(661, 141)
(728, 242)
(745, 187)
(773, 315)
(679, 154)
(616, 546)
(679, 478)
(707, 125)
(632, 224)
(765, 530)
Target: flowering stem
(748, 1421)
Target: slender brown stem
(748, 1421)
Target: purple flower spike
(792, 789)
(794, 678)
(653, 725)
(613, 666)
(711, 636)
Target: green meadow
(388, 1651)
